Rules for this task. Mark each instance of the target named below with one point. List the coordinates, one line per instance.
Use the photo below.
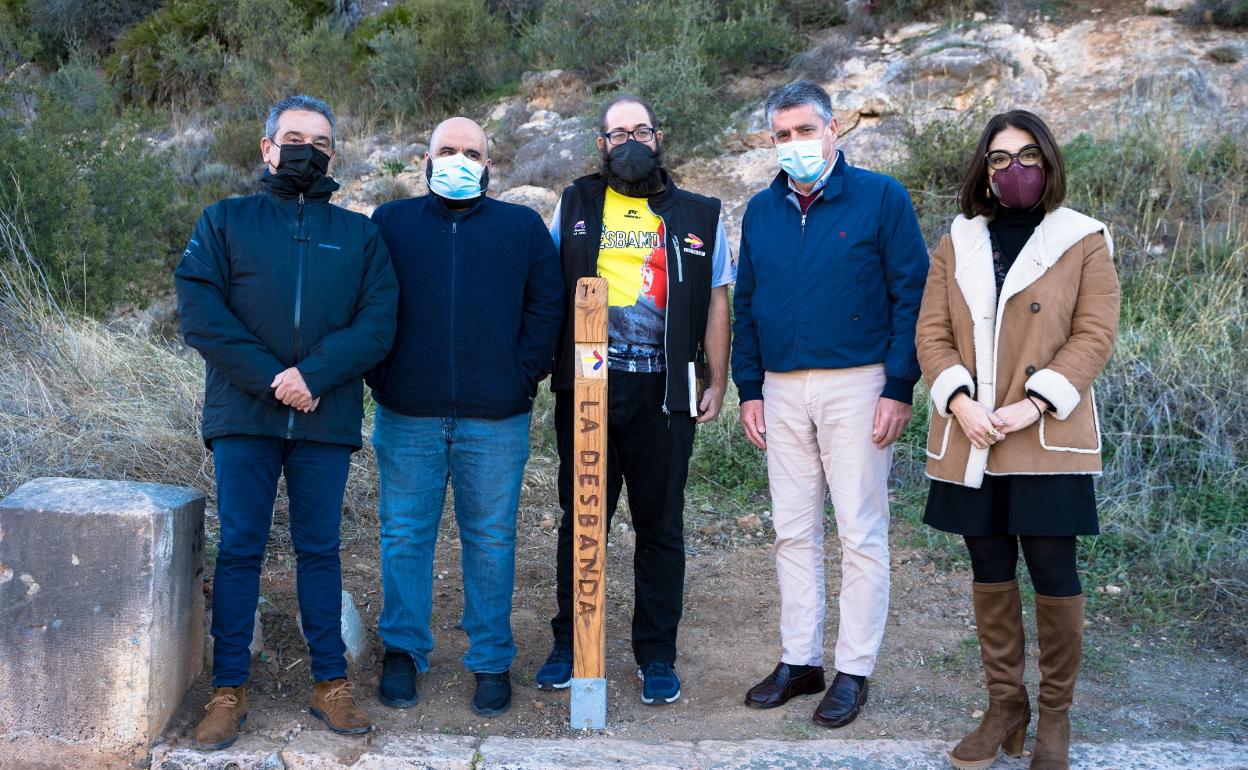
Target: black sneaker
(397, 686)
(493, 695)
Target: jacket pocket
(1069, 435)
(938, 437)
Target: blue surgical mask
(456, 177)
(802, 159)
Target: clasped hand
(292, 391)
(984, 427)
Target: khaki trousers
(819, 437)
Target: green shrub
(937, 155)
(1225, 54)
(814, 14)
(183, 52)
(1221, 13)
(89, 25)
(237, 143)
(105, 214)
(18, 43)
(431, 55)
(675, 55)
(175, 55)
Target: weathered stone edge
(443, 752)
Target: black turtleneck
(1010, 229)
(286, 187)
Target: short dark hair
(796, 94)
(975, 197)
(626, 99)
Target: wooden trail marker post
(589, 507)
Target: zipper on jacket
(667, 312)
(301, 237)
(454, 256)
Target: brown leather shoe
(227, 710)
(333, 704)
(780, 685)
(842, 702)
(999, 625)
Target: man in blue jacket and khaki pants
(831, 273)
(480, 308)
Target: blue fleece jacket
(480, 308)
(834, 288)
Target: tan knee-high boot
(999, 623)
(1059, 626)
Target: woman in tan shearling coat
(1019, 316)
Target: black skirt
(1051, 506)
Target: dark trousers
(648, 451)
(247, 471)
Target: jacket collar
(832, 187)
(439, 207)
(280, 188)
(1057, 233)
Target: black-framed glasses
(1028, 156)
(643, 134)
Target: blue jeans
(485, 460)
(247, 471)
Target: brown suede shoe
(333, 704)
(227, 710)
(780, 685)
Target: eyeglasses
(643, 134)
(1028, 156)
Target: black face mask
(633, 169)
(302, 164)
(633, 161)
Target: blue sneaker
(556, 672)
(659, 684)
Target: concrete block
(101, 613)
(352, 628)
(588, 754)
(419, 752)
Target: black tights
(1050, 560)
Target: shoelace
(561, 655)
(340, 692)
(226, 699)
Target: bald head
(459, 135)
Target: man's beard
(641, 188)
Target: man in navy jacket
(480, 308)
(289, 299)
(831, 273)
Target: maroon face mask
(1019, 186)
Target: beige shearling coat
(1050, 332)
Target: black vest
(691, 223)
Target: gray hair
(301, 102)
(796, 94)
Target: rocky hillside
(1096, 76)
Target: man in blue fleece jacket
(831, 273)
(480, 309)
